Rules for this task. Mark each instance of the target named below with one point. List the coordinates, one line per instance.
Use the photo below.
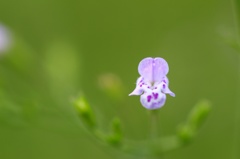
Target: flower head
(152, 84)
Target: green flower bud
(185, 133)
(196, 117)
(198, 114)
(116, 135)
(85, 111)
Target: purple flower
(152, 85)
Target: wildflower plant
(47, 58)
(152, 85)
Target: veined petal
(137, 91)
(164, 85)
(139, 87)
(145, 69)
(160, 69)
(153, 69)
(153, 100)
(168, 91)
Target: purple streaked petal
(164, 84)
(151, 100)
(160, 69)
(145, 68)
(137, 91)
(140, 85)
(165, 80)
(153, 69)
(168, 91)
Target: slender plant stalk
(153, 123)
(154, 128)
(237, 109)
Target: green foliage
(155, 147)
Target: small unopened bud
(116, 135)
(85, 111)
(196, 117)
(199, 114)
(185, 133)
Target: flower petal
(160, 69)
(145, 69)
(164, 84)
(136, 91)
(153, 100)
(168, 91)
(153, 70)
(139, 89)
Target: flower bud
(116, 135)
(196, 117)
(185, 133)
(85, 111)
(198, 114)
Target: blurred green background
(63, 48)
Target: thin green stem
(237, 109)
(154, 128)
(153, 124)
